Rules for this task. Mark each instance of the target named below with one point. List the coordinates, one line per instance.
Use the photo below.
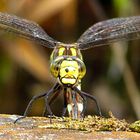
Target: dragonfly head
(67, 65)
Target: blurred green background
(113, 72)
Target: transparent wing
(26, 29)
(109, 31)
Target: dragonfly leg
(47, 105)
(56, 93)
(34, 99)
(91, 97)
(30, 105)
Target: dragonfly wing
(109, 31)
(26, 29)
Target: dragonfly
(66, 61)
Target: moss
(135, 126)
(90, 123)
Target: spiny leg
(91, 97)
(95, 100)
(47, 106)
(56, 93)
(31, 102)
(30, 105)
(44, 114)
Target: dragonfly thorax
(67, 65)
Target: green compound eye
(54, 68)
(82, 70)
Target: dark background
(113, 72)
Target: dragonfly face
(67, 64)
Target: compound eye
(54, 69)
(82, 70)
